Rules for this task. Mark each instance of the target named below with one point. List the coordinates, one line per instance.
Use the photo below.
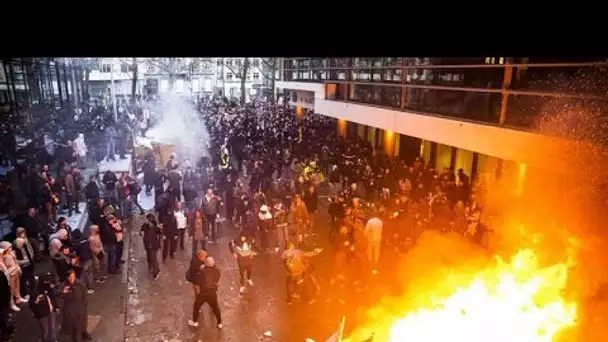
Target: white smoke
(177, 123)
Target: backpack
(135, 188)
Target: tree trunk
(134, 83)
(273, 88)
(244, 80)
(85, 90)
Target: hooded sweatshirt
(56, 241)
(9, 259)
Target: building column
(506, 83)
(342, 124)
(58, 73)
(389, 142)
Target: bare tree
(268, 69)
(134, 80)
(87, 64)
(173, 66)
(240, 69)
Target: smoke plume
(178, 123)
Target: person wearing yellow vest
(224, 158)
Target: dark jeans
(152, 256)
(28, 283)
(211, 299)
(111, 252)
(181, 236)
(135, 200)
(245, 269)
(72, 201)
(211, 226)
(169, 246)
(195, 244)
(296, 283)
(48, 327)
(119, 251)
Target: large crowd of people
(262, 176)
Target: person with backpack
(296, 266)
(206, 292)
(135, 189)
(196, 265)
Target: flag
(337, 336)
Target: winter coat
(79, 146)
(74, 308)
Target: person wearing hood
(152, 236)
(12, 270)
(25, 256)
(74, 309)
(243, 249)
(56, 241)
(83, 250)
(44, 306)
(80, 150)
(266, 228)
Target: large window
(256, 75)
(229, 76)
(106, 67)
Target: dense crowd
(262, 175)
(42, 187)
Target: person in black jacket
(91, 191)
(206, 292)
(152, 236)
(134, 190)
(44, 307)
(170, 235)
(109, 180)
(85, 259)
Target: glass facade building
(514, 92)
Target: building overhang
(527, 147)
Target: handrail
(458, 66)
(470, 89)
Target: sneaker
(250, 282)
(15, 308)
(27, 298)
(242, 289)
(374, 271)
(312, 301)
(289, 302)
(220, 326)
(21, 301)
(276, 249)
(157, 276)
(192, 323)
(90, 291)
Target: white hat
(264, 208)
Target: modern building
(478, 114)
(26, 84)
(189, 76)
(229, 71)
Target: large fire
(518, 301)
